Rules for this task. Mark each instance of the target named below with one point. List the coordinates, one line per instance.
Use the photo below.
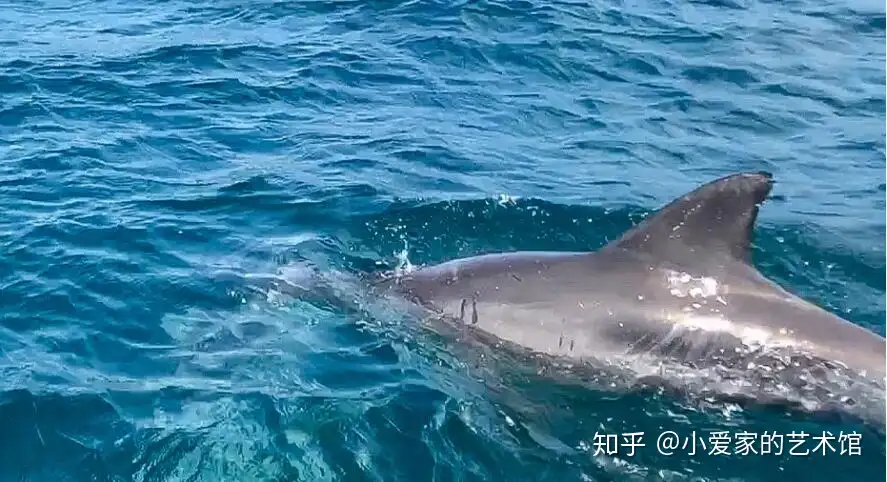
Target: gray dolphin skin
(680, 285)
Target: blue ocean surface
(167, 166)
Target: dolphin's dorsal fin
(714, 221)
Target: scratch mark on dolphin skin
(462, 310)
(516, 277)
(572, 342)
(474, 311)
(560, 342)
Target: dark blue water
(147, 146)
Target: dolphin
(679, 286)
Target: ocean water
(166, 165)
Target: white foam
(747, 334)
(683, 285)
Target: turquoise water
(148, 147)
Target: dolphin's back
(543, 301)
(681, 283)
